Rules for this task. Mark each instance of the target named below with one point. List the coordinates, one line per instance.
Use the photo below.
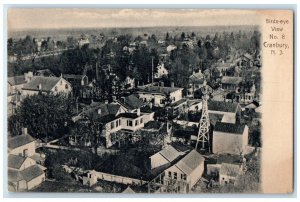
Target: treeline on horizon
(182, 62)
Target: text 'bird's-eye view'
(142, 109)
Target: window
(161, 101)
(55, 88)
(141, 121)
(112, 125)
(61, 82)
(117, 123)
(66, 86)
(170, 174)
(136, 122)
(183, 176)
(175, 176)
(129, 123)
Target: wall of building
(36, 181)
(158, 160)
(195, 176)
(62, 86)
(228, 143)
(19, 150)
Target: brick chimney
(24, 131)
(172, 84)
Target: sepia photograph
(148, 101)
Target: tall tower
(203, 134)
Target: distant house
(74, 79)
(164, 157)
(183, 175)
(231, 111)
(25, 171)
(52, 85)
(230, 138)
(226, 169)
(158, 94)
(161, 71)
(83, 41)
(170, 48)
(14, 90)
(196, 81)
(129, 83)
(44, 72)
(230, 83)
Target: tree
(45, 116)
(167, 36)
(182, 36)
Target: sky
(48, 18)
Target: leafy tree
(182, 36)
(45, 116)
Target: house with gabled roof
(230, 83)
(51, 85)
(184, 174)
(230, 138)
(25, 169)
(165, 156)
(131, 103)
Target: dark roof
(19, 140)
(231, 80)
(72, 76)
(228, 158)
(131, 102)
(128, 115)
(16, 80)
(15, 161)
(179, 102)
(31, 172)
(159, 89)
(190, 162)
(223, 106)
(153, 125)
(27, 174)
(106, 109)
(47, 83)
(184, 133)
(229, 128)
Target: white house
(161, 70)
(158, 94)
(53, 85)
(230, 138)
(24, 170)
(230, 83)
(185, 173)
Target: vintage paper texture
(277, 79)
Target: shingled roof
(229, 128)
(231, 80)
(15, 161)
(16, 80)
(131, 102)
(19, 140)
(47, 83)
(190, 162)
(223, 106)
(170, 153)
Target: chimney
(106, 101)
(138, 113)
(172, 84)
(99, 111)
(24, 131)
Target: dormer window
(67, 86)
(55, 88)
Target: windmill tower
(203, 134)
